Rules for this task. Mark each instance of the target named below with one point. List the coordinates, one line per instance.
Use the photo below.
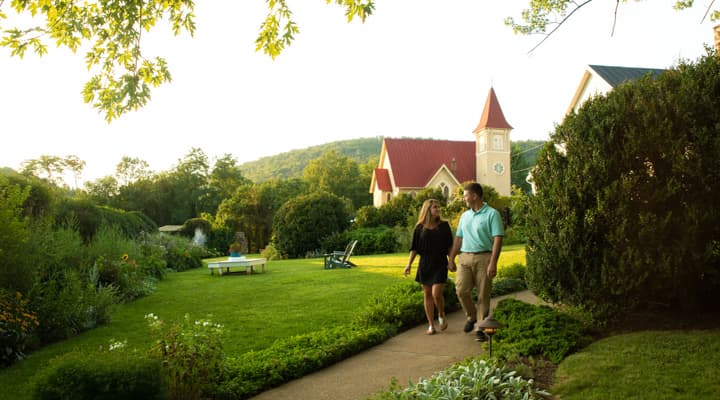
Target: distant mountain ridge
(292, 163)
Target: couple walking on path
(478, 241)
(410, 355)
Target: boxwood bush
(108, 375)
(536, 330)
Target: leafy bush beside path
(397, 308)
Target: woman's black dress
(432, 245)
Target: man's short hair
(474, 188)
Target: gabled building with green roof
(601, 79)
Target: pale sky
(415, 68)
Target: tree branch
(612, 32)
(559, 25)
(707, 11)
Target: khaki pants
(472, 272)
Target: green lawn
(651, 365)
(292, 297)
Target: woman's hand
(407, 270)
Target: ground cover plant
(471, 379)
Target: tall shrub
(89, 218)
(301, 223)
(65, 294)
(190, 352)
(626, 212)
(15, 235)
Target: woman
(432, 240)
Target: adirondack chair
(340, 259)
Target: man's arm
(454, 250)
(497, 247)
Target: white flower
(117, 345)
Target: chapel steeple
(492, 116)
(492, 147)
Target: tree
(226, 176)
(52, 168)
(191, 177)
(48, 167)
(339, 175)
(103, 190)
(112, 32)
(76, 166)
(242, 213)
(627, 215)
(252, 207)
(301, 223)
(131, 169)
(543, 14)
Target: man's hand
(492, 270)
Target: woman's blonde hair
(425, 215)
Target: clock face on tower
(499, 168)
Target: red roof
(382, 177)
(492, 116)
(415, 161)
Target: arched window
(445, 189)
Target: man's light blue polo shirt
(478, 228)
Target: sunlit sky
(415, 68)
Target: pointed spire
(492, 116)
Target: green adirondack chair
(340, 259)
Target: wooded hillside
(364, 150)
(292, 163)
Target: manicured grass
(292, 297)
(652, 365)
(393, 264)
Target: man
(479, 240)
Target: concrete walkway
(408, 356)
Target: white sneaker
(443, 323)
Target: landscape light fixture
(489, 326)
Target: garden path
(408, 356)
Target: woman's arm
(413, 253)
